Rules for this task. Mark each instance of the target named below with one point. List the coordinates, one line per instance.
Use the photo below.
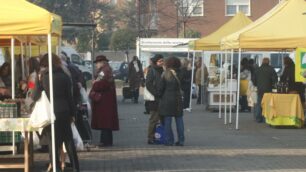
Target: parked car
(120, 70)
(76, 59)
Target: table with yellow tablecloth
(282, 109)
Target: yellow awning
(19, 17)
(212, 41)
(283, 27)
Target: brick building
(168, 18)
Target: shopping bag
(159, 136)
(41, 115)
(78, 142)
(147, 95)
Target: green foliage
(123, 39)
(191, 34)
(82, 11)
(104, 40)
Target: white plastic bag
(78, 142)
(41, 115)
(84, 96)
(147, 95)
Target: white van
(76, 59)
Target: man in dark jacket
(152, 80)
(265, 78)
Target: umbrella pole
(220, 93)
(51, 101)
(238, 90)
(231, 87)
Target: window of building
(234, 6)
(191, 7)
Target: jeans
(169, 138)
(258, 111)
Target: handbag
(41, 114)
(95, 96)
(147, 95)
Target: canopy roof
(19, 17)
(212, 41)
(283, 27)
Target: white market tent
(211, 42)
(282, 28)
(22, 18)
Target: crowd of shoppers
(167, 79)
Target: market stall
(283, 109)
(222, 88)
(22, 18)
(282, 28)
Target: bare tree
(185, 9)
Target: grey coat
(171, 102)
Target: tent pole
(231, 87)
(51, 101)
(30, 49)
(13, 66)
(93, 53)
(190, 101)
(13, 84)
(22, 61)
(202, 78)
(220, 96)
(225, 90)
(238, 90)
(192, 79)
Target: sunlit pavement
(210, 146)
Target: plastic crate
(6, 137)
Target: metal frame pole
(231, 87)
(238, 90)
(225, 89)
(220, 93)
(51, 101)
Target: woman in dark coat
(104, 110)
(171, 103)
(288, 78)
(64, 109)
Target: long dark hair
(56, 61)
(33, 65)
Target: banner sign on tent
(300, 65)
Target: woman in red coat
(104, 102)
